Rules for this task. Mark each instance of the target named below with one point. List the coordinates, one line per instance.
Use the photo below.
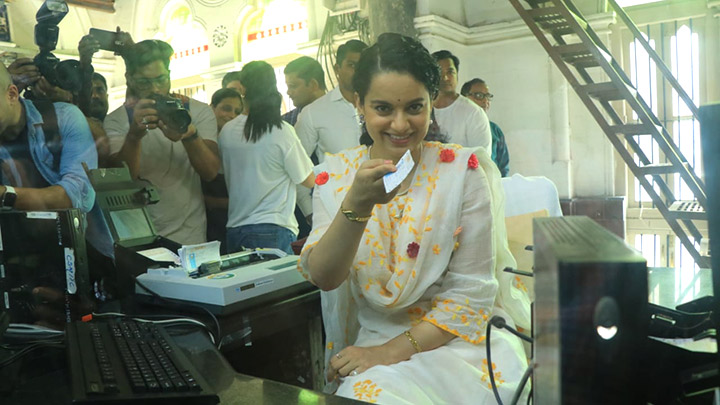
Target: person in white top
(172, 158)
(462, 120)
(331, 123)
(263, 161)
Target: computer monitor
(131, 224)
(590, 314)
(43, 249)
(710, 141)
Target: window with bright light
(643, 74)
(685, 52)
(680, 44)
(629, 3)
(188, 39)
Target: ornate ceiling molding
(211, 3)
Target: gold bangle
(413, 342)
(353, 216)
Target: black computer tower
(43, 249)
(590, 314)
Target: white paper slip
(404, 166)
(192, 256)
(161, 254)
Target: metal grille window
(629, 3)
(685, 58)
(681, 44)
(643, 74)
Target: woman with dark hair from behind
(263, 162)
(410, 278)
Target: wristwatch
(353, 216)
(8, 198)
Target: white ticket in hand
(404, 166)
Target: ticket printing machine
(220, 284)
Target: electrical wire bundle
(500, 323)
(25, 339)
(216, 339)
(339, 24)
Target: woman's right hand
(368, 188)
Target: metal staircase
(571, 43)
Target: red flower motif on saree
(473, 162)
(321, 178)
(412, 249)
(447, 155)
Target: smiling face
(397, 114)
(227, 109)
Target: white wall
(548, 130)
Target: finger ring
(146, 127)
(338, 356)
(353, 373)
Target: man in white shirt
(330, 124)
(458, 117)
(172, 157)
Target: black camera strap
(51, 130)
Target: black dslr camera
(65, 74)
(172, 112)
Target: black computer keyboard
(124, 360)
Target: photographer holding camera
(170, 142)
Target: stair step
(659, 168)
(545, 13)
(607, 91)
(536, 3)
(691, 210)
(632, 129)
(582, 63)
(550, 19)
(573, 49)
(585, 61)
(556, 27)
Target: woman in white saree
(412, 276)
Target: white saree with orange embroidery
(434, 254)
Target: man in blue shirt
(31, 179)
(477, 91)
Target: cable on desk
(31, 348)
(530, 395)
(488, 354)
(521, 386)
(174, 302)
(19, 335)
(173, 319)
(500, 323)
